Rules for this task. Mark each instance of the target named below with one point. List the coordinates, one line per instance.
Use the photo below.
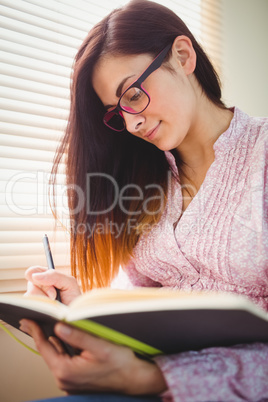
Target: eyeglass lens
(114, 120)
(133, 101)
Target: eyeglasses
(134, 99)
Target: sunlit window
(38, 41)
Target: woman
(146, 102)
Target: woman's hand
(43, 281)
(101, 367)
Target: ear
(184, 53)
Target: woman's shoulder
(257, 127)
(258, 130)
(250, 133)
(243, 122)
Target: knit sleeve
(236, 373)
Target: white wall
(24, 375)
(245, 55)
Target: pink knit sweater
(220, 243)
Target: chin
(165, 147)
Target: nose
(134, 122)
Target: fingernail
(63, 330)
(23, 326)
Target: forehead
(111, 70)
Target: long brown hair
(101, 163)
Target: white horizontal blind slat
(23, 165)
(46, 35)
(17, 117)
(29, 131)
(26, 153)
(61, 21)
(38, 42)
(33, 63)
(22, 48)
(25, 12)
(33, 75)
(33, 223)
(32, 108)
(84, 12)
(33, 86)
(9, 175)
(40, 36)
(25, 249)
(29, 97)
(28, 142)
(31, 236)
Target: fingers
(100, 348)
(32, 270)
(35, 287)
(101, 367)
(45, 281)
(33, 290)
(44, 347)
(52, 278)
(105, 366)
(57, 344)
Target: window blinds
(38, 41)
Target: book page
(109, 295)
(37, 303)
(109, 301)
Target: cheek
(181, 103)
(171, 106)
(171, 97)
(162, 101)
(167, 95)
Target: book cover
(151, 321)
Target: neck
(210, 121)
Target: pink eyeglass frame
(156, 63)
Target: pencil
(68, 349)
(50, 262)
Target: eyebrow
(119, 90)
(120, 86)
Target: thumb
(46, 282)
(51, 277)
(32, 270)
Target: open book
(151, 321)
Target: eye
(134, 100)
(136, 96)
(132, 95)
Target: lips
(150, 134)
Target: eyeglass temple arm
(155, 64)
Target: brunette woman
(175, 189)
